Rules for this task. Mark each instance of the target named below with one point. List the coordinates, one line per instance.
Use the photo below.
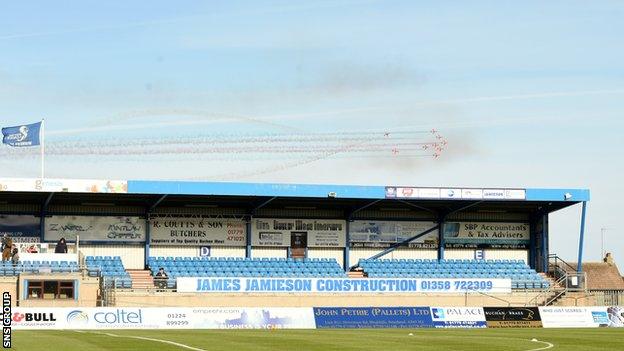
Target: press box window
(50, 289)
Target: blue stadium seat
(244, 267)
(522, 276)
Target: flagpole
(42, 135)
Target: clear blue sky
(527, 93)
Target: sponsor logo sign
(458, 317)
(33, 318)
(393, 192)
(318, 232)
(600, 317)
(450, 193)
(77, 318)
(582, 317)
(64, 185)
(163, 318)
(472, 194)
(486, 234)
(386, 233)
(373, 317)
(21, 228)
(512, 317)
(197, 231)
(515, 194)
(429, 193)
(616, 316)
(340, 285)
(572, 317)
(96, 228)
(252, 318)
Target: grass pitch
(334, 339)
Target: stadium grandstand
(283, 245)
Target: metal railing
(566, 279)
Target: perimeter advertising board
(373, 317)
(458, 317)
(197, 231)
(512, 317)
(95, 228)
(387, 233)
(582, 317)
(308, 318)
(162, 318)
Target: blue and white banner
(372, 317)
(162, 318)
(458, 317)
(340, 285)
(22, 136)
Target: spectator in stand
(160, 279)
(61, 246)
(7, 245)
(5, 239)
(15, 256)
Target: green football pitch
(334, 339)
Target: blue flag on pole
(22, 136)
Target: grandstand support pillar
(44, 211)
(345, 263)
(248, 225)
(148, 235)
(532, 248)
(248, 237)
(147, 239)
(579, 267)
(441, 241)
(544, 245)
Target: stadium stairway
(141, 279)
(356, 274)
(551, 281)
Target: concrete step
(356, 274)
(141, 279)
